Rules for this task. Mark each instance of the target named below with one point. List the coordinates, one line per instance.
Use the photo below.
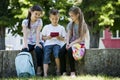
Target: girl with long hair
(76, 33)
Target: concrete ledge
(103, 61)
(7, 63)
(96, 61)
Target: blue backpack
(24, 65)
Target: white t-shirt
(31, 33)
(50, 28)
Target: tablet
(54, 34)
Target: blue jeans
(48, 50)
(38, 51)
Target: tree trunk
(94, 32)
(94, 40)
(2, 38)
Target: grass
(81, 77)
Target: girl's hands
(67, 46)
(39, 45)
(26, 46)
(71, 44)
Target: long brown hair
(33, 8)
(82, 24)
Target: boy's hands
(60, 38)
(57, 37)
(49, 37)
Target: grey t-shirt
(31, 33)
(75, 31)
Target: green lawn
(81, 77)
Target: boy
(53, 34)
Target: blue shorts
(50, 49)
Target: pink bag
(78, 51)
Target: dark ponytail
(34, 8)
(29, 19)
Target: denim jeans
(48, 50)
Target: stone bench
(96, 61)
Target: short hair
(53, 12)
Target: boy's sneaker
(64, 74)
(73, 74)
(45, 75)
(58, 73)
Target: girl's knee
(37, 48)
(25, 50)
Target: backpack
(24, 65)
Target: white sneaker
(45, 75)
(58, 73)
(73, 74)
(39, 71)
(64, 74)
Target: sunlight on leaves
(24, 13)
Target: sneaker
(64, 74)
(45, 75)
(73, 74)
(39, 71)
(58, 73)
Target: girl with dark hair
(77, 31)
(31, 27)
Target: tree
(3, 11)
(100, 14)
(61, 5)
(9, 9)
(15, 11)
